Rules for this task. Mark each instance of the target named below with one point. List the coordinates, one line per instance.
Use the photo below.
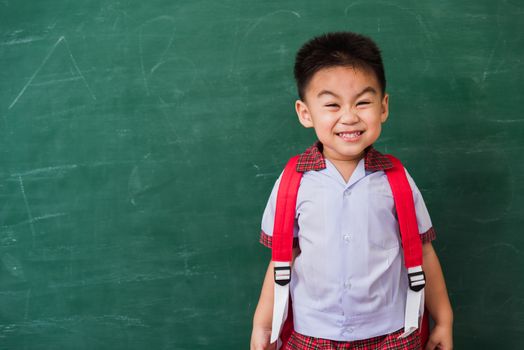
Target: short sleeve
(268, 219)
(425, 227)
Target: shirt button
(347, 237)
(347, 192)
(347, 284)
(348, 331)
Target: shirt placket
(354, 220)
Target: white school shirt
(349, 281)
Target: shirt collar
(313, 159)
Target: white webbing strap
(280, 305)
(414, 307)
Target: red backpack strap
(282, 241)
(411, 241)
(282, 251)
(407, 219)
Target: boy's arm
(262, 321)
(437, 301)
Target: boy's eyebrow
(366, 89)
(370, 89)
(327, 92)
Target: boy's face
(346, 107)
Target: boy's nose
(348, 116)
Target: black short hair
(337, 49)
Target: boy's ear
(303, 114)
(385, 108)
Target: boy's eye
(331, 105)
(363, 103)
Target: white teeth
(350, 135)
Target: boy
(348, 284)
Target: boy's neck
(345, 166)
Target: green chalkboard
(139, 141)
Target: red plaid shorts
(384, 342)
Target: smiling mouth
(350, 136)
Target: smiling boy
(349, 284)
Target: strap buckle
(417, 280)
(282, 275)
